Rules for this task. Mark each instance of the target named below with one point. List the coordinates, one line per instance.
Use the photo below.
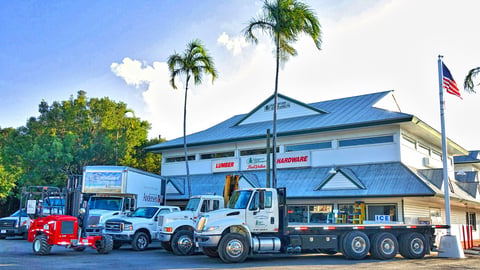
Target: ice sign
(382, 218)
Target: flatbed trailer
(256, 222)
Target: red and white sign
(225, 165)
(293, 160)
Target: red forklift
(52, 227)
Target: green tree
(468, 84)
(283, 21)
(194, 61)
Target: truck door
(260, 214)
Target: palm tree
(468, 84)
(194, 61)
(283, 21)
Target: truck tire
(140, 241)
(105, 245)
(182, 243)
(210, 252)
(233, 248)
(40, 245)
(355, 245)
(167, 246)
(413, 245)
(384, 246)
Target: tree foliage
(469, 84)
(284, 21)
(195, 61)
(68, 135)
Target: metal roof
(459, 188)
(350, 112)
(378, 180)
(472, 157)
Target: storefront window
(382, 212)
(298, 214)
(321, 213)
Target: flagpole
(444, 145)
(449, 244)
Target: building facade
(350, 160)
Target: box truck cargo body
(118, 190)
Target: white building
(337, 158)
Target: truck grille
(160, 221)
(111, 226)
(93, 220)
(7, 223)
(67, 227)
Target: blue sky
(52, 49)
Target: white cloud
(163, 105)
(234, 44)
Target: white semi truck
(115, 191)
(256, 222)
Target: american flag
(449, 83)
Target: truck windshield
(239, 199)
(105, 203)
(144, 212)
(193, 204)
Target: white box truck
(117, 190)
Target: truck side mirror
(261, 199)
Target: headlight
(201, 224)
(128, 227)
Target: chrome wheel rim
(234, 248)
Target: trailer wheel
(210, 252)
(233, 248)
(356, 245)
(105, 245)
(40, 245)
(182, 243)
(413, 245)
(140, 241)
(167, 246)
(384, 246)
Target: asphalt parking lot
(17, 254)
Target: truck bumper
(211, 240)
(121, 237)
(164, 237)
(4, 232)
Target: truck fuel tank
(266, 244)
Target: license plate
(3, 231)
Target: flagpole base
(450, 247)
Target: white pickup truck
(16, 224)
(176, 229)
(138, 228)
